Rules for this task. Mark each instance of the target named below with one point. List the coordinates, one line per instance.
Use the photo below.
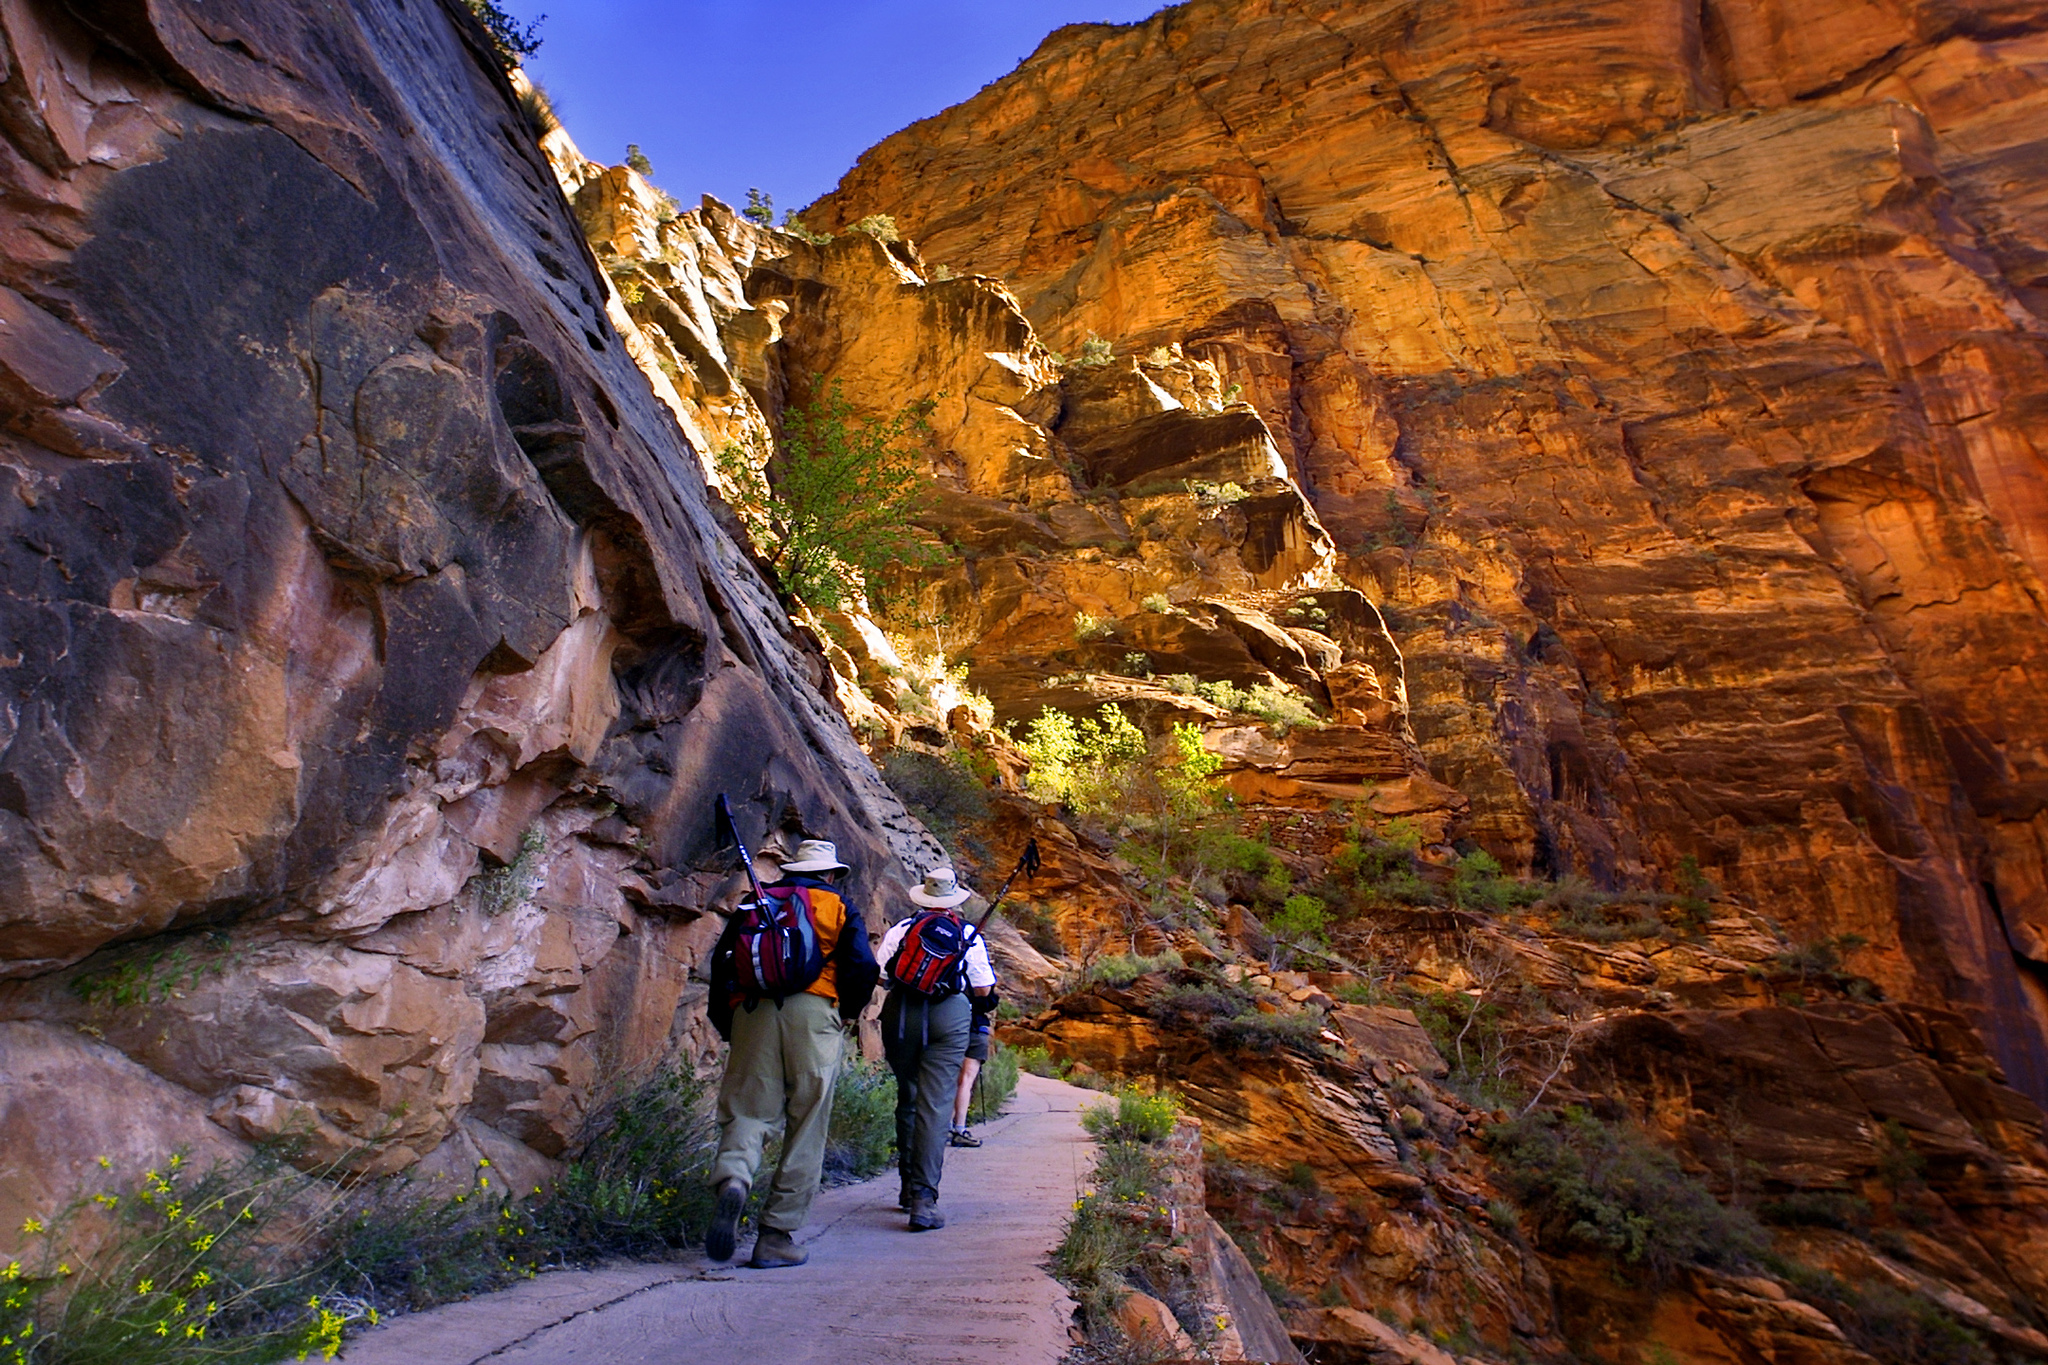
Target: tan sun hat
(941, 891)
(816, 855)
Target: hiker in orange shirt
(787, 971)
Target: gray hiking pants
(924, 1042)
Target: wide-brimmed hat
(941, 891)
(815, 855)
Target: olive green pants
(779, 1073)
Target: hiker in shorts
(980, 1035)
(786, 1044)
(939, 981)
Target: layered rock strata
(1666, 374)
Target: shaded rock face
(1666, 374)
(369, 650)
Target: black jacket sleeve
(720, 1004)
(856, 970)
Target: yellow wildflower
(32, 1226)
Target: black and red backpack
(931, 961)
(778, 951)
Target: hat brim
(938, 902)
(817, 866)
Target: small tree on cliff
(513, 41)
(832, 507)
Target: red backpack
(932, 958)
(778, 951)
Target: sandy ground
(974, 1292)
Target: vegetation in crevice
(831, 508)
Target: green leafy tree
(832, 508)
(1301, 920)
(512, 40)
(637, 160)
(760, 209)
(879, 226)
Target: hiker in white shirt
(939, 977)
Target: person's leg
(945, 1046)
(750, 1104)
(750, 1096)
(811, 1048)
(963, 1098)
(980, 1037)
(901, 1047)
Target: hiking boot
(719, 1242)
(963, 1137)
(925, 1216)
(906, 1197)
(775, 1249)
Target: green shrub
(537, 110)
(256, 1262)
(1302, 919)
(1088, 626)
(863, 1134)
(217, 1265)
(1233, 851)
(511, 41)
(794, 226)
(635, 1184)
(1280, 708)
(940, 792)
(1086, 763)
(1094, 352)
(1256, 1031)
(1891, 1324)
(1817, 1208)
(879, 226)
(1157, 603)
(1476, 884)
(760, 209)
(838, 518)
(1614, 924)
(1132, 1115)
(1597, 1186)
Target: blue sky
(724, 94)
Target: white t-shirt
(979, 972)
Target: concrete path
(975, 1292)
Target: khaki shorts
(978, 1041)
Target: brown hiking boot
(724, 1235)
(777, 1250)
(925, 1215)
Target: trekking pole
(1028, 864)
(726, 830)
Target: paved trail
(974, 1292)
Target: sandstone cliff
(371, 649)
(1603, 440)
(1666, 374)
